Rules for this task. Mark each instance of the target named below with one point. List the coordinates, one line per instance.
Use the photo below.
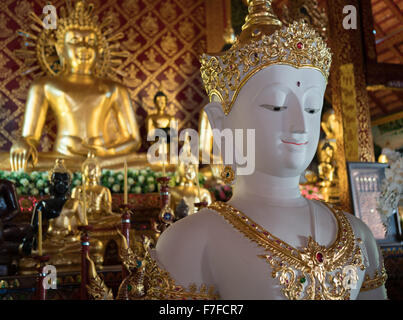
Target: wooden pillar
(218, 15)
(349, 93)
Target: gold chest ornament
(312, 273)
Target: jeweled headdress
(263, 42)
(59, 167)
(40, 52)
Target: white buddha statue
(268, 242)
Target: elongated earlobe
(215, 115)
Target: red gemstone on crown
(300, 45)
(319, 257)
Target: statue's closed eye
(312, 110)
(273, 108)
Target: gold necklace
(313, 273)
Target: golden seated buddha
(160, 120)
(188, 189)
(84, 103)
(98, 198)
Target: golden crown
(261, 44)
(79, 18)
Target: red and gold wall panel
(164, 37)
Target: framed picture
(365, 187)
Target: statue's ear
(215, 115)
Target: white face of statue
(283, 104)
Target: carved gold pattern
(312, 273)
(96, 287)
(296, 45)
(378, 280)
(350, 120)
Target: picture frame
(365, 180)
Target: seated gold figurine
(327, 148)
(160, 120)
(98, 198)
(62, 238)
(212, 171)
(80, 98)
(189, 189)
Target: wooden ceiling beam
(378, 103)
(389, 44)
(395, 10)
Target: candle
(85, 204)
(125, 186)
(40, 232)
(197, 181)
(163, 151)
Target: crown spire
(261, 20)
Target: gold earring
(228, 175)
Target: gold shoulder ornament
(146, 280)
(377, 281)
(312, 273)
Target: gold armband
(145, 280)
(378, 280)
(162, 287)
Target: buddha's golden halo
(41, 56)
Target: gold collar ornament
(262, 43)
(313, 273)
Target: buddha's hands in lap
(80, 147)
(22, 152)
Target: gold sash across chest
(313, 273)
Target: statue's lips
(295, 143)
(84, 57)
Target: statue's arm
(35, 112)
(25, 149)
(107, 200)
(127, 122)
(149, 125)
(373, 287)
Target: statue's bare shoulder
(181, 248)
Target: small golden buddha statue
(160, 120)
(81, 99)
(213, 170)
(326, 167)
(98, 198)
(327, 147)
(188, 189)
(62, 238)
